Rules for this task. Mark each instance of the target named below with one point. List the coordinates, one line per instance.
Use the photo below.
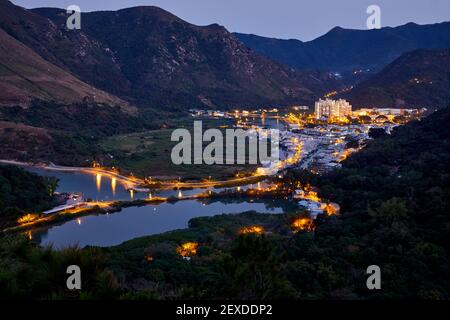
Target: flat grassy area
(148, 154)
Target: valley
(136, 149)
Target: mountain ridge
(344, 50)
(158, 60)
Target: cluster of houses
(311, 202)
(325, 146)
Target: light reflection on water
(113, 186)
(100, 187)
(97, 187)
(115, 228)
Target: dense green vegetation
(223, 266)
(23, 192)
(30, 272)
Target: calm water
(132, 222)
(101, 188)
(268, 123)
(92, 187)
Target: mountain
(25, 76)
(71, 51)
(152, 58)
(344, 50)
(416, 79)
(291, 52)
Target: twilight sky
(299, 19)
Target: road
(135, 183)
(207, 184)
(130, 182)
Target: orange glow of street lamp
(300, 224)
(187, 249)
(255, 229)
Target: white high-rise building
(332, 108)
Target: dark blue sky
(299, 19)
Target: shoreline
(97, 208)
(126, 180)
(140, 185)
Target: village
(317, 140)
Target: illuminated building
(332, 108)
